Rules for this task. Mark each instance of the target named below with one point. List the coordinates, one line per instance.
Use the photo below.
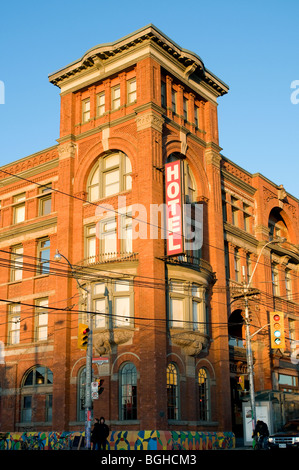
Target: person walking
(99, 434)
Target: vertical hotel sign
(174, 213)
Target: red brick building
(172, 327)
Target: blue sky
(251, 45)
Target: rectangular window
(196, 114)
(85, 110)
(234, 211)
(101, 103)
(14, 324)
(45, 200)
(100, 305)
(185, 108)
(115, 97)
(126, 233)
(27, 409)
(288, 284)
(41, 311)
(122, 304)
(43, 256)
(19, 208)
(173, 101)
(90, 242)
(292, 333)
(163, 94)
(108, 238)
(248, 266)
(16, 263)
(177, 305)
(237, 265)
(275, 280)
(49, 400)
(196, 309)
(132, 91)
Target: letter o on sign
(173, 190)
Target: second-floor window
(41, 319)
(188, 306)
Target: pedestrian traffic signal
(277, 330)
(100, 388)
(83, 333)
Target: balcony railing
(103, 258)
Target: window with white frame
(288, 284)
(85, 110)
(41, 319)
(275, 279)
(185, 108)
(188, 306)
(19, 208)
(16, 263)
(43, 254)
(100, 103)
(115, 97)
(45, 200)
(174, 101)
(110, 175)
(113, 304)
(131, 90)
(14, 322)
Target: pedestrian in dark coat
(99, 434)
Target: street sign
(100, 360)
(94, 395)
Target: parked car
(287, 437)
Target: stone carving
(104, 340)
(192, 342)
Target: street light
(248, 337)
(88, 400)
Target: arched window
(110, 175)
(128, 392)
(204, 394)
(37, 381)
(172, 392)
(277, 226)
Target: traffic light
(100, 388)
(277, 330)
(83, 333)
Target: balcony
(104, 258)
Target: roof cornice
(98, 55)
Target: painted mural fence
(121, 440)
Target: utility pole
(88, 369)
(248, 337)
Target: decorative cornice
(98, 56)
